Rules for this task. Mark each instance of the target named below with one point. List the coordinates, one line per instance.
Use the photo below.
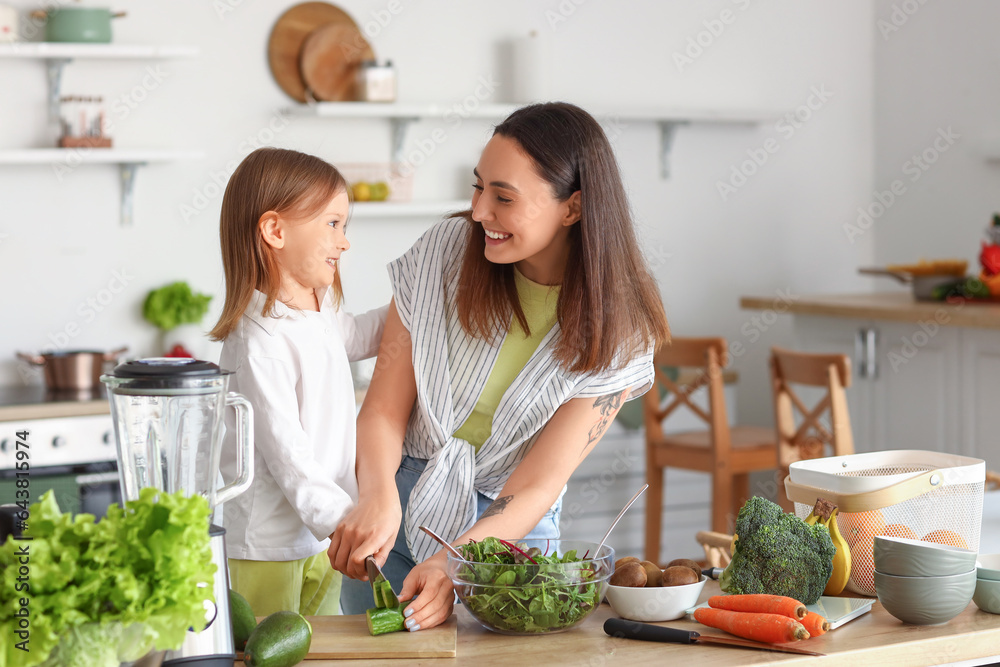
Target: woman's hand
(368, 529)
(430, 582)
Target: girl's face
(312, 246)
(522, 220)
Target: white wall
(783, 230)
(936, 67)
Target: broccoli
(778, 554)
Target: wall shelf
(65, 160)
(57, 55)
(401, 116)
(379, 210)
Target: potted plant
(176, 310)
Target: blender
(167, 415)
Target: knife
(617, 627)
(376, 579)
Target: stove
(70, 447)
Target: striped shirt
(450, 368)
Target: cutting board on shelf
(346, 638)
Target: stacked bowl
(923, 583)
(987, 595)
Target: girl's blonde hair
(287, 182)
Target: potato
(626, 559)
(686, 562)
(680, 575)
(654, 575)
(631, 574)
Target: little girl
(282, 233)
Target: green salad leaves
(173, 305)
(100, 593)
(523, 592)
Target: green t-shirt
(539, 305)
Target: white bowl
(989, 566)
(654, 604)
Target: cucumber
(383, 620)
(242, 618)
(280, 640)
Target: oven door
(85, 488)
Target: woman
(515, 334)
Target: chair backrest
(717, 546)
(708, 357)
(828, 422)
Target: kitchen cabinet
(980, 392)
(905, 383)
(63, 160)
(926, 374)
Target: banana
(825, 514)
(841, 559)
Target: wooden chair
(992, 481)
(728, 454)
(826, 424)
(717, 546)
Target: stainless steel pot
(78, 370)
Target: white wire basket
(911, 493)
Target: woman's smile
(495, 238)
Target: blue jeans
(356, 596)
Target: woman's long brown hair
(287, 182)
(609, 307)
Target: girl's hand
(370, 528)
(436, 598)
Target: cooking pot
(78, 370)
(77, 24)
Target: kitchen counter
(893, 306)
(22, 403)
(873, 638)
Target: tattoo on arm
(609, 406)
(497, 506)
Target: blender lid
(168, 368)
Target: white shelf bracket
(128, 171)
(667, 130)
(400, 125)
(55, 68)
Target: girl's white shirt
(294, 368)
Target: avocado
(280, 640)
(243, 619)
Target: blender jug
(167, 414)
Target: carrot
(815, 624)
(770, 628)
(765, 604)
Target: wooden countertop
(873, 638)
(894, 306)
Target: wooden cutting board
(331, 57)
(346, 637)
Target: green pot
(79, 24)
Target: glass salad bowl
(531, 587)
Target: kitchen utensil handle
(713, 572)
(114, 354)
(871, 350)
(244, 448)
(33, 359)
(859, 354)
(119, 15)
(619, 627)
